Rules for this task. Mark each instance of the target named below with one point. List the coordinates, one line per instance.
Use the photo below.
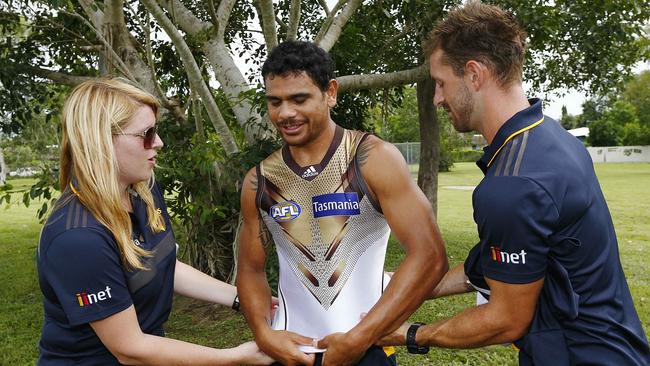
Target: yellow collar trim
(512, 136)
(74, 190)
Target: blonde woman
(107, 255)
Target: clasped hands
(342, 348)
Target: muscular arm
(504, 319)
(454, 282)
(411, 219)
(121, 334)
(253, 287)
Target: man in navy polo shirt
(547, 258)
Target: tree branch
(223, 16)
(326, 8)
(267, 20)
(328, 20)
(185, 19)
(378, 81)
(112, 56)
(55, 76)
(96, 16)
(212, 11)
(294, 20)
(281, 23)
(195, 77)
(334, 30)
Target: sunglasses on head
(148, 136)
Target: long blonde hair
(92, 113)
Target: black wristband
(235, 303)
(411, 345)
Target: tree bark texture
(429, 142)
(4, 169)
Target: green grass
(624, 186)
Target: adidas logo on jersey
(310, 172)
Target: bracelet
(235, 303)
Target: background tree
(185, 52)
(566, 120)
(637, 93)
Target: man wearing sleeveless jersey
(547, 256)
(330, 198)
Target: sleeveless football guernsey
(330, 236)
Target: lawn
(624, 186)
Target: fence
(620, 154)
(410, 151)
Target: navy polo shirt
(82, 280)
(540, 213)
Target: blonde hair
(92, 113)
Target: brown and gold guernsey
(330, 236)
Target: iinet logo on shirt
(86, 299)
(505, 257)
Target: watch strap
(411, 345)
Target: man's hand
(396, 338)
(282, 346)
(341, 350)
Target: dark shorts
(375, 356)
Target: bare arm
(121, 334)
(454, 282)
(253, 287)
(193, 283)
(411, 219)
(505, 318)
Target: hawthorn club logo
(500, 256)
(86, 299)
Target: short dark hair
(294, 57)
(484, 33)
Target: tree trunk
(429, 142)
(4, 169)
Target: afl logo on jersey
(285, 211)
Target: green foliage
(396, 122)
(635, 133)
(604, 132)
(203, 189)
(467, 156)
(621, 113)
(581, 43)
(400, 123)
(592, 110)
(450, 141)
(637, 94)
(566, 120)
(622, 120)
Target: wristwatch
(411, 346)
(235, 303)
